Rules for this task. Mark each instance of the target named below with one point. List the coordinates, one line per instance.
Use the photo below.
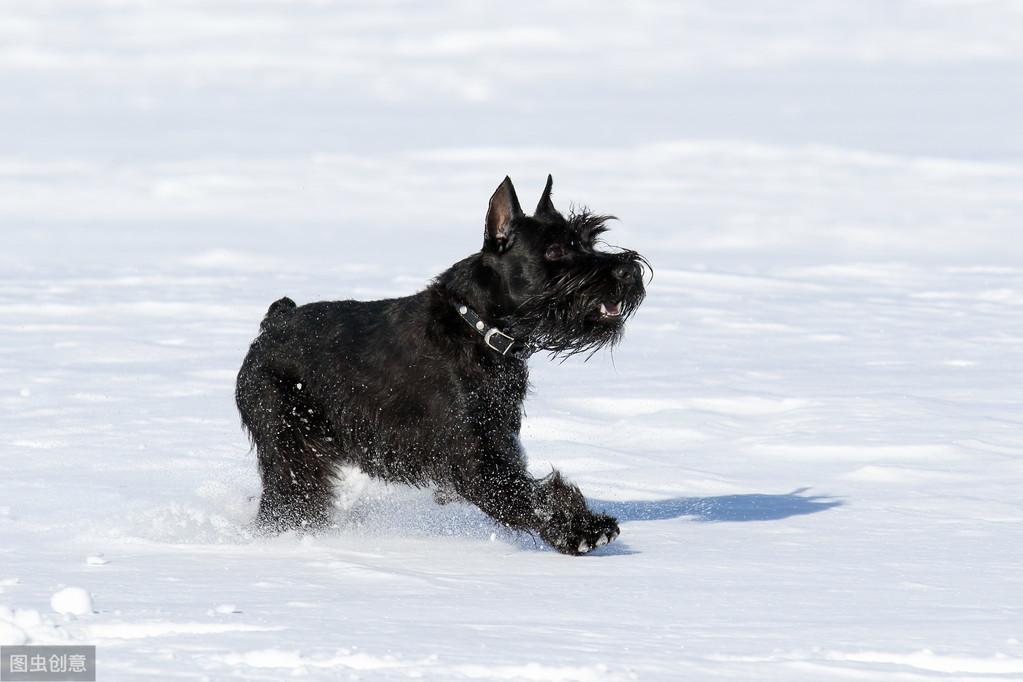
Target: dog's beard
(579, 312)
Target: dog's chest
(499, 390)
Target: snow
(72, 601)
(810, 435)
(24, 626)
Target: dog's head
(558, 282)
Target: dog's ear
(545, 209)
(504, 209)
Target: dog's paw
(587, 534)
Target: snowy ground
(811, 435)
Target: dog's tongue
(611, 309)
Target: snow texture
(811, 434)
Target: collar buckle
(498, 340)
(493, 338)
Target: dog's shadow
(386, 508)
(720, 508)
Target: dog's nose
(627, 273)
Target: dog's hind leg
(297, 473)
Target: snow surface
(71, 601)
(811, 435)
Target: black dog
(428, 389)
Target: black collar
(493, 338)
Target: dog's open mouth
(610, 309)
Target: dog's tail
(277, 314)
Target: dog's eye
(556, 252)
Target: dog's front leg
(551, 507)
(566, 522)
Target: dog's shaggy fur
(409, 391)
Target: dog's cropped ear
(504, 209)
(545, 209)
